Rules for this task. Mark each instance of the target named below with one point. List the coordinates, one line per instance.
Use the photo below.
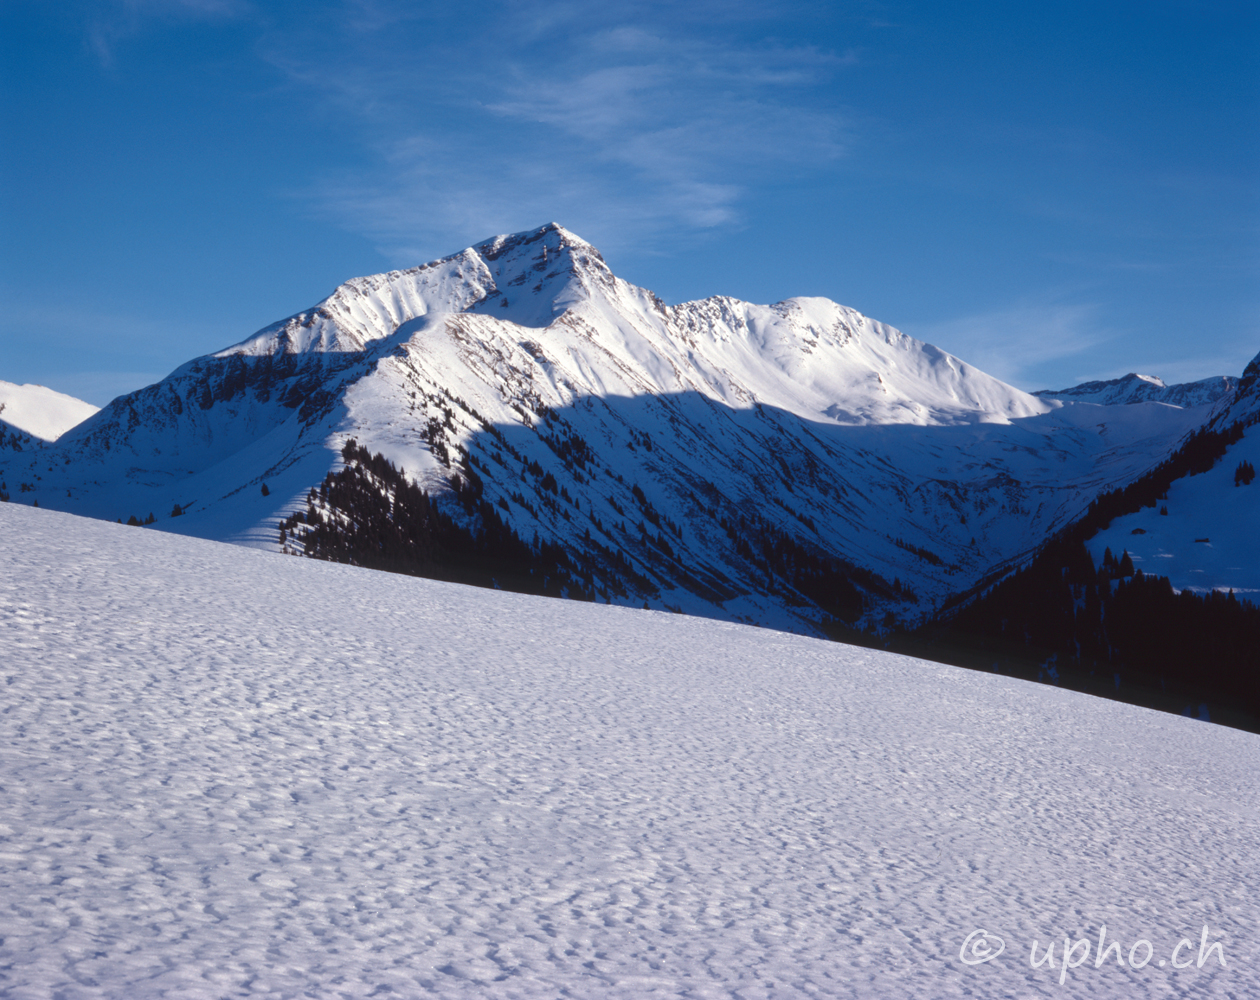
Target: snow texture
(230, 773)
(40, 411)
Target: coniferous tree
(370, 514)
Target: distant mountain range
(795, 465)
(1134, 388)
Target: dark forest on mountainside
(369, 514)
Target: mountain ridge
(591, 415)
(1135, 388)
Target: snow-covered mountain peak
(569, 399)
(539, 275)
(39, 411)
(550, 288)
(527, 278)
(549, 241)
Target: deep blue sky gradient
(1054, 192)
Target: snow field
(1210, 537)
(41, 411)
(228, 773)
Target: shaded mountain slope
(1129, 600)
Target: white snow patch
(41, 411)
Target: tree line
(1113, 620)
(369, 514)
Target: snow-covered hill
(1206, 534)
(1134, 388)
(693, 441)
(39, 411)
(226, 772)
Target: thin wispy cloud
(918, 159)
(110, 22)
(1013, 344)
(618, 123)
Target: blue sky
(1054, 192)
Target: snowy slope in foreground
(231, 773)
(41, 411)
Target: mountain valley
(798, 466)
